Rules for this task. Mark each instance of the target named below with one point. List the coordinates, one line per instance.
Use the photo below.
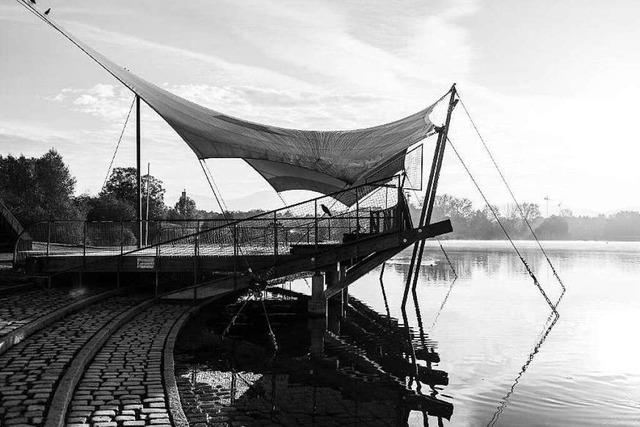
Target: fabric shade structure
(289, 159)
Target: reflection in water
(549, 324)
(551, 321)
(488, 327)
(444, 302)
(384, 294)
(494, 327)
(361, 380)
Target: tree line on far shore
(39, 189)
(481, 224)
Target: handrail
(267, 217)
(10, 219)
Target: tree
(185, 208)
(554, 227)
(37, 189)
(448, 206)
(122, 185)
(108, 208)
(531, 211)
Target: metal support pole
(138, 175)
(146, 222)
(156, 264)
(315, 203)
(357, 214)
(398, 207)
(196, 253)
(84, 250)
(235, 256)
(428, 204)
(275, 236)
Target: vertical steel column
(138, 175)
(452, 103)
(427, 206)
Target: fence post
(315, 204)
(235, 256)
(84, 250)
(275, 236)
(121, 237)
(196, 253)
(157, 267)
(357, 214)
(398, 208)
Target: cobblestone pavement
(123, 386)
(21, 308)
(30, 370)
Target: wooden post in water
(317, 315)
(342, 268)
(334, 303)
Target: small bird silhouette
(46, 12)
(33, 1)
(325, 209)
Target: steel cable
(513, 197)
(124, 127)
(504, 230)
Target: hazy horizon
(556, 106)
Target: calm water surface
(586, 371)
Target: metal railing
(319, 221)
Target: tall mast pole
(438, 166)
(138, 175)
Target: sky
(552, 85)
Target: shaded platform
(214, 270)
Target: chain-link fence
(363, 210)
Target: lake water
(586, 371)
(508, 362)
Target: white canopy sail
(322, 161)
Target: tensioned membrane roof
(289, 159)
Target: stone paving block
(126, 375)
(30, 369)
